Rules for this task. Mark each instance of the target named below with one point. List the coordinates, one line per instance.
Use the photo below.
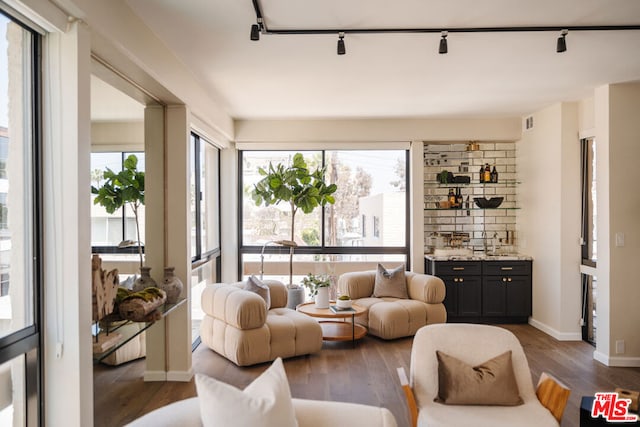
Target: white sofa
(309, 413)
(473, 344)
(390, 318)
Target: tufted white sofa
(237, 325)
(390, 318)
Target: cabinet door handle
(455, 279)
(461, 280)
(504, 279)
(506, 268)
(458, 268)
(509, 279)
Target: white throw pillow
(266, 402)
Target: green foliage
(126, 186)
(311, 236)
(316, 281)
(293, 184)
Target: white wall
(548, 164)
(268, 131)
(618, 206)
(67, 277)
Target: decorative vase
(322, 297)
(295, 297)
(172, 285)
(144, 281)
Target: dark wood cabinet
(485, 291)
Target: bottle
(494, 174)
(452, 198)
(481, 174)
(458, 198)
(487, 173)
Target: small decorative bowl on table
(344, 303)
(485, 203)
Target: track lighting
(255, 30)
(443, 44)
(341, 49)
(263, 28)
(562, 42)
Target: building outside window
(371, 183)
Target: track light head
(561, 46)
(255, 30)
(341, 48)
(443, 44)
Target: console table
(113, 324)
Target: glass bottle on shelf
(481, 175)
(452, 198)
(458, 198)
(494, 175)
(487, 173)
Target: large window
(20, 231)
(117, 231)
(205, 223)
(367, 224)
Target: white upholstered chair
(475, 344)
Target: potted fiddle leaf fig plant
(123, 188)
(126, 188)
(297, 186)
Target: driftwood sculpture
(104, 287)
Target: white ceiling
(396, 75)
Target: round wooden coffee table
(336, 330)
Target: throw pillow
(255, 285)
(490, 383)
(265, 402)
(390, 283)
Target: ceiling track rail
(507, 29)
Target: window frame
(323, 249)
(200, 257)
(586, 179)
(28, 341)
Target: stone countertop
(479, 257)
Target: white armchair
(475, 344)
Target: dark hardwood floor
(364, 374)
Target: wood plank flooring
(364, 374)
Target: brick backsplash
(477, 223)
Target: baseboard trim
(617, 361)
(155, 376)
(560, 336)
(182, 376)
